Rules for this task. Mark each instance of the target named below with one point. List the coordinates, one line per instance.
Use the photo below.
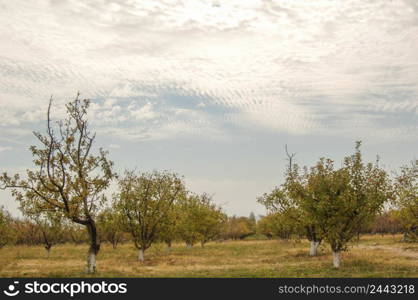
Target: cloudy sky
(214, 89)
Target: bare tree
(69, 179)
(289, 159)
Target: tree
(109, 224)
(406, 187)
(210, 219)
(200, 220)
(48, 225)
(6, 229)
(276, 225)
(342, 201)
(144, 201)
(69, 179)
(283, 202)
(169, 226)
(26, 232)
(51, 230)
(253, 222)
(189, 220)
(237, 228)
(75, 233)
(266, 226)
(386, 222)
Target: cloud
(283, 66)
(143, 113)
(2, 148)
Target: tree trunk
(91, 261)
(48, 245)
(168, 246)
(141, 256)
(188, 246)
(93, 249)
(313, 251)
(336, 259)
(48, 250)
(202, 244)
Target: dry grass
(373, 256)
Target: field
(372, 256)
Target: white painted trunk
(91, 262)
(141, 256)
(189, 246)
(313, 251)
(336, 259)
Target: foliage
(200, 220)
(387, 222)
(237, 228)
(209, 219)
(6, 229)
(69, 179)
(253, 222)
(169, 226)
(26, 232)
(75, 233)
(144, 201)
(407, 199)
(342, 201)
(285, 204)
(276, 225)
(189, 220)
(109, 224)
(50, 229)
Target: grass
(373, 256)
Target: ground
(372, 256)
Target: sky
(214, 90)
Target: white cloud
(2, 148)
(146, 112)
(267, 64)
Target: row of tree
(37, 231)
(148, 207)
(68, 184)
(326, 203)
(390, 221)
(197, 220)
(67, 188)
(207, 223)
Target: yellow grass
(373, 256)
